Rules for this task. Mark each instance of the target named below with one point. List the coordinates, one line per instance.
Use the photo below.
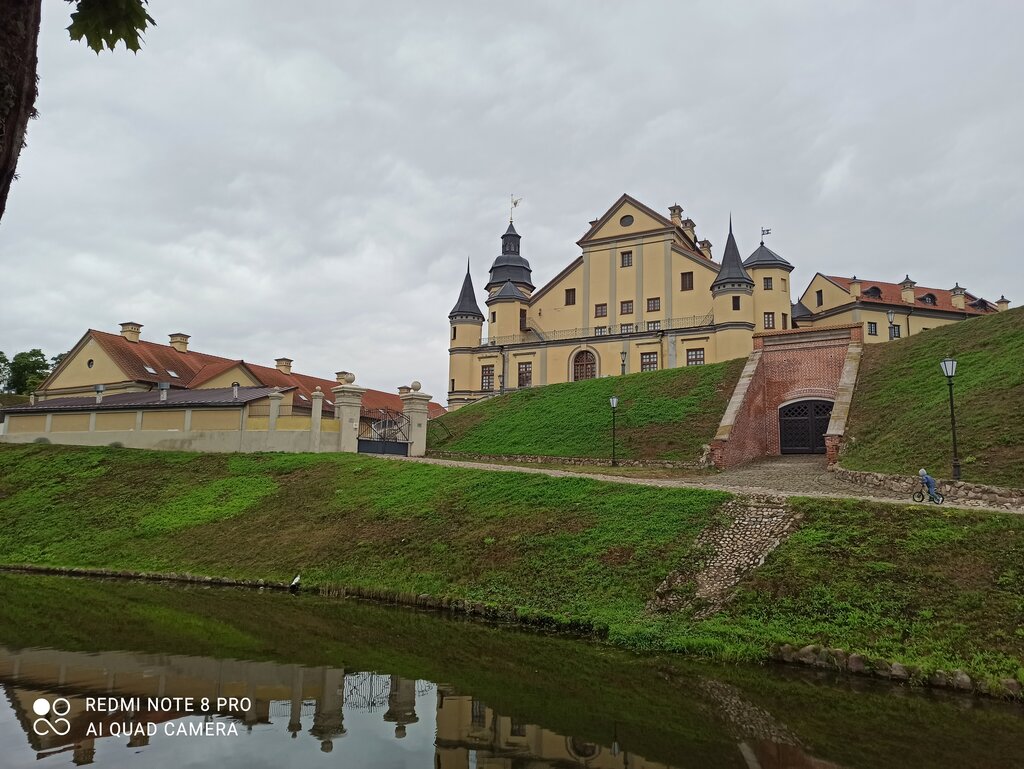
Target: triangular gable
(71, 360)
(609, 225)
(223, 374)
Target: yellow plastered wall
(550, 311)
(107, 421)
(69, 423)
(258, 424)
(461, 370)
(26, 423)
(642, 222)
(294, 423)
(467, 334)
(506, 315)
(215, 419)
(77, 373)
(697, 301)
(831, 294)
(330, 426)
(235, 374)
(163, 420)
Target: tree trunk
(19, 34)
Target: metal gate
(802, 427)
(383, 431)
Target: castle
(645, 294)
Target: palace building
(646, 294)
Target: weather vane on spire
(514, 203)
(765, 231)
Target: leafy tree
(98, 22)
(28, 370)
(5, 371)
(56, 359)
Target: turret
(770, 273)
(510, 265)
(466, 322)
(732, 304)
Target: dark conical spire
(510, 265)
(732, 274)
(466, 307)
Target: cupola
(510, 265)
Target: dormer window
(928, 299)
(874, 292)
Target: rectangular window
(627, 328)
(735, 302)
(454, 329)
(695, 357)
(769, 321)
(626, 308)
(894, 332)
(785, 321)
(626, 259)
(494, 316)
(654, 325)
(600, 330)
(525, 375)
(654, 305)
(783, 283)
(570, 296)
(872, 328)
(648, 361)
(767, 284)
(487, 377)
(478, 714)
(686, 281)
(453, 385)
(600, 310)
(818, 298)
(522, 320)
(518, 728)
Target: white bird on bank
(294, 587)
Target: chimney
(676, 213)
(179, 342)
(131, 330)
(284, 365)
(705, 248)
(1003, 304)
(958, 297)
(855, 287)
(163, 387)
(907, 290)
(99, 393)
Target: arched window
(584, 366)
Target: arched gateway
(802, 426)
(584, 366)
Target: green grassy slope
(899, 419)
(7, 399)
(931, 587)
(666, 414)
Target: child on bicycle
(929, 482)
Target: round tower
(733, 304)
(770, 273)
(466, 324)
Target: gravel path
(787, 476)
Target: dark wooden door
(802, 427)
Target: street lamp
(614, 401)
(622, 357)
(892, 322)
(949, 370)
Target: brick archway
(802, 426)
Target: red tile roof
(891, 293)
(194, 368)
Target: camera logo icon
(51, 717)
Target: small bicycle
(922, 494)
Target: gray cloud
(309, 181)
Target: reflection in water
(313, 703)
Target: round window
(90, 362)
(626, 220)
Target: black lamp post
(614, 401)
(949, 370)
(622, 357)
(892, 323)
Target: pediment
(627, 217)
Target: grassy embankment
(657, 707)
(666, 414)
(899, 419)
(935, 588)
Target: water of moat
(141, 675)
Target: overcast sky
(308, 179)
